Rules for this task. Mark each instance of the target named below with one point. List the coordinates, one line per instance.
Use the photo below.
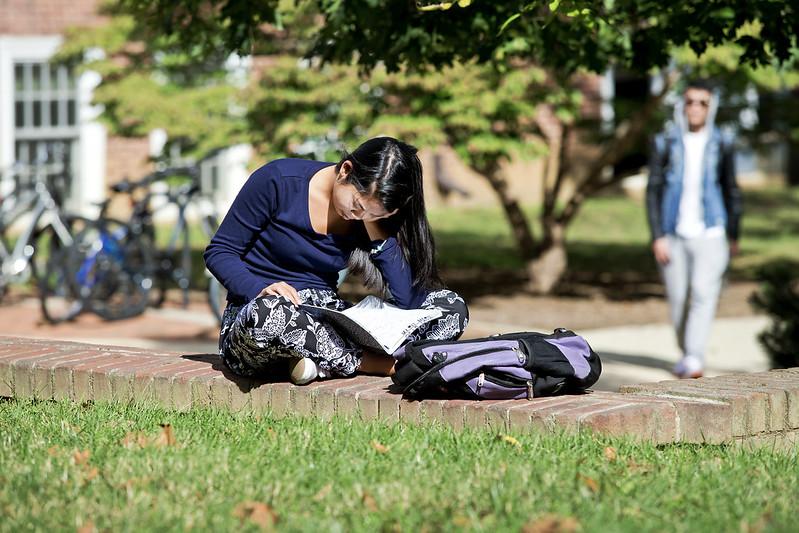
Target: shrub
(778, 296)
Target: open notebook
(375, 324)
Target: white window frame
(89, 180)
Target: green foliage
(485, 115)
(778, 296)
(153, 78)
(565, 34)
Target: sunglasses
(690, 101)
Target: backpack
(509, 366)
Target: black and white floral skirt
(259, 338)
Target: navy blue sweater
(267, 237)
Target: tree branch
(623, 138)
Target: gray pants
(693, 280)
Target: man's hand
(734, 249)
(281, 288)
(660, 247)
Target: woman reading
(293, 227)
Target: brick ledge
(759, 408)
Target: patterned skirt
(260, 337)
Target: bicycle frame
(182, 199)
(141, 223)
(15, 263)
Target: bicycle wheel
(54, 266)
(217, 298)
(116, 269)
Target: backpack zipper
(528, 384)
(439, 366)
(505, 382)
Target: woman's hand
(375, 230)
(281, 288)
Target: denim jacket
(721, 197)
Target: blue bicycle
(117, 271)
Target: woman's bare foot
(376, 364)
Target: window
(45, 120)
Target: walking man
(694, 208)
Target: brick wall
(41, 17)
(126, 157)
(749, 409)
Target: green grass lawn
(610, 235)
(64, 467)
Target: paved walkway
(630, 355)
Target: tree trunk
(520, 226)
(549, 266)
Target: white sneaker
(303, 371)
(688, 367)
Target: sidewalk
(630, 354)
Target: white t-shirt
(691, 217)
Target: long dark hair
(390, 170)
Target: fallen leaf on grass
(589, 482)
(81, 456)
(642, 468)
(380, 448)
(134, 482)
(324, 491)
(91, 474)
(135, 438)
(166, 437)
(258, 513)
(53, 450)
(552, 524)
(510, 440)
(88, 527)
(758, 526)
(610, 453)
(369, 502)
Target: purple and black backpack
(509, 366)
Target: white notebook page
(388, 324)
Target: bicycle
(47, 232)
(119, 269)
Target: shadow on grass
(616, 271)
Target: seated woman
(293, 226)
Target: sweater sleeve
(387, 256)
(250, 213)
